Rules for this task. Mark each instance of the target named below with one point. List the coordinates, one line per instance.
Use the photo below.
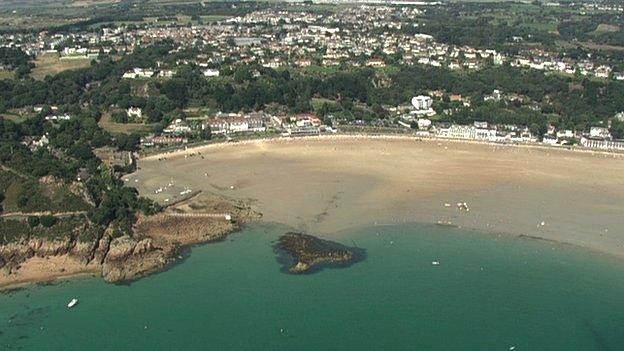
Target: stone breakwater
(303, 253)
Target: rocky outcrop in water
(155, 244)
(303, 253)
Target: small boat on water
(435, 263)
(72, 303)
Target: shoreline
(188, 150)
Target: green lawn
(4, 74)
(125, 128)
(51, 64)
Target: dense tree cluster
(587, 29)
(15, 59)
(118, 204)
(71, 145)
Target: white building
(135, 112)
(64, 117)
(178, 127)
(423, 123)
(422, 102)
(238, 124)
(422, 108)
(211, 72)
(602, 144)
(566, 134)
(166, 73)
(138, 73)
(599, 132)
(550, 140)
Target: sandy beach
(326, 185)
(46, 269)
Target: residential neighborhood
(357, 36)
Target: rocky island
(303, 253)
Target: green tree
(33, 221)
(206, 133)
(47, 221)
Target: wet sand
(326, 185)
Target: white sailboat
(72, 303)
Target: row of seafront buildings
(597, 137)
(308, 124)
(602, 144)
(601, 138)
(291, 125)
(229, 124)
(478, 131)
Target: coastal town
(375, 37)
(363, 35)
(311, 175)
(84, 103)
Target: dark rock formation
(302, 253)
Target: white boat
(72, 303)
(435, 263)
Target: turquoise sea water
(488, 293)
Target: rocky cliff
(154, 245)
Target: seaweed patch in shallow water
(10, 291)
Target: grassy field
(213, 18)
(589, 45)
(126, 128)
(6, 74)
(51, 64)
(320, 70)
(18, 115)
(13, 117)
(23, 20)
(318, 102)
(607, 28)
(42, 197)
